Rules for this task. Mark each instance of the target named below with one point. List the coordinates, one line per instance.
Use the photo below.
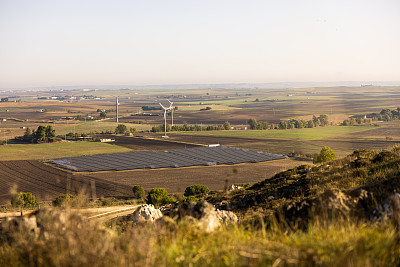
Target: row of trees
(188, 128)
(43, 134)
(384, 115)
(387, 115)
(322, 120)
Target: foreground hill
(357, 186)
(325, 217)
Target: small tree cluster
(43, 134)
(254, 125)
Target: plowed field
(46, 182)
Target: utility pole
(116, 109)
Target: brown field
(46, 182)
(215, 177)
(144, 144)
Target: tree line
(385, 115)
(322, 120)
(189, 128)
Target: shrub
(138, 192)
(121, 128)
(66, 199)
(158, 196)
(196, 189)
(326, 154)
(23, 199)
(190, 199)
(243, 185)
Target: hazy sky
(49, 43)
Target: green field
(56, 150)
(95, 126)
(318, 133)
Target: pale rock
(146, 213)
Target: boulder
(226, 217)
(388, 208)
(234, 187)
(205, 215)
(146, 213)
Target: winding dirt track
(46, 182)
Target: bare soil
(46, 182)
(215, 177)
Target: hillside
(355, 186)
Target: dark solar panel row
(160, 159)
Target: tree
(196, 189)
(121, 128)
(323, 119)
(28, 135)
(325, 155)
(23, 200)
(227, 125)
(103, 115)
(138, 192)
(40, 134)
(50, 133)
(252, 124)
(158, 196)
(283, 125)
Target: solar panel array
(164, 159)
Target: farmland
(57, 150)
(46, 182)
(76, 111)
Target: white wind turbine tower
(172, 112)
(165, 119)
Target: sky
(71, 43)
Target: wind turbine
(172, 112)
(165, 118)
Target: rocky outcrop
(146, 213)
(204, 215)
(38, 223)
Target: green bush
(158, 196)
(325, 155)
(189, 199)
(66, 199)
(196, 189)
(23, 199)
(138, 192)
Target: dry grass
(77, 242)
